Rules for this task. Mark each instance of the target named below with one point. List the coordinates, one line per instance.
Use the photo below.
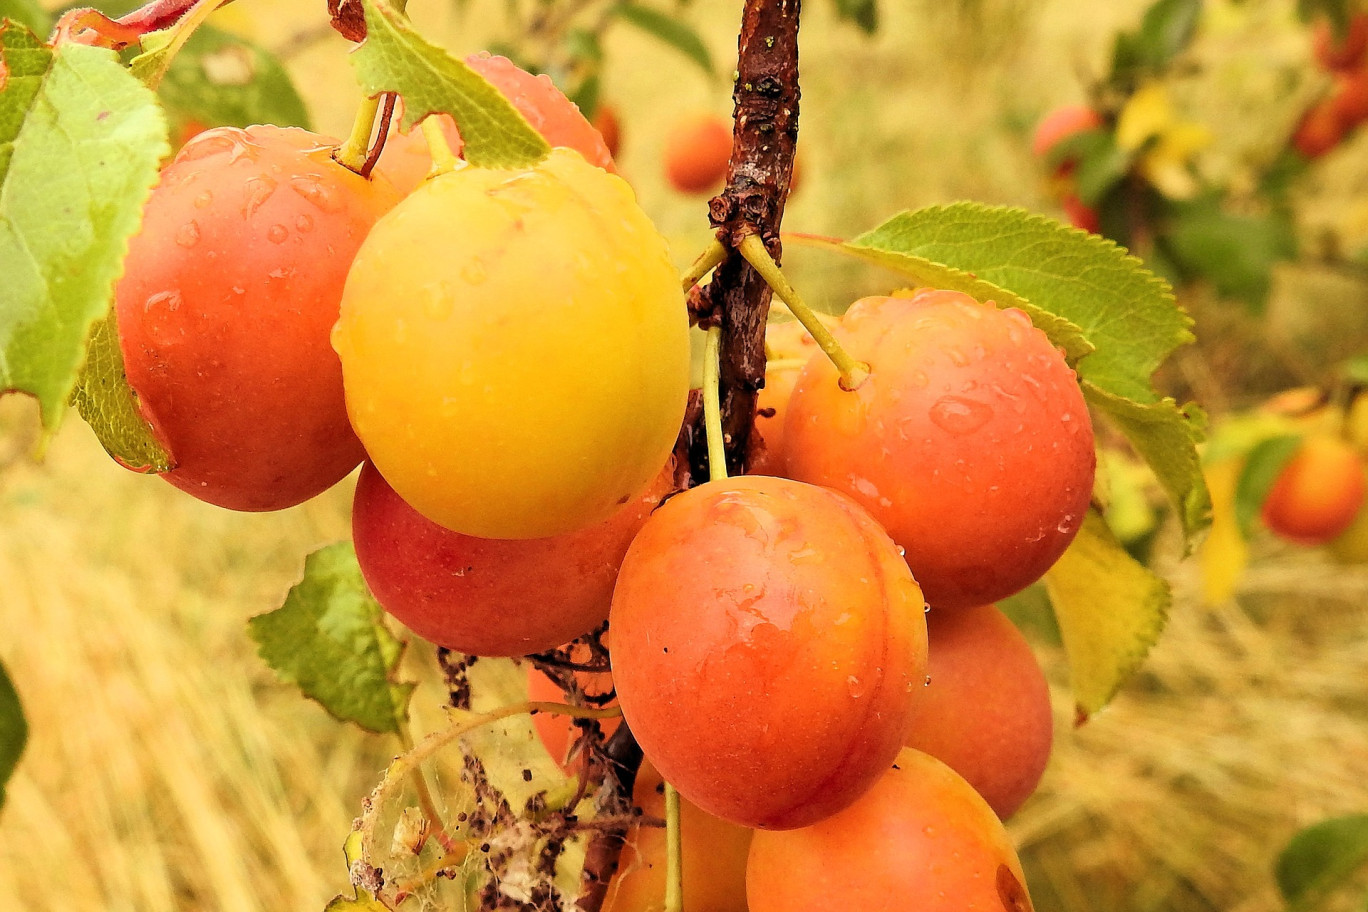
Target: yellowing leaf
(1111, 610)
(1224, 555)
(1147, 114)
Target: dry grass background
(167, 770)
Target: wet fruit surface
(970, 441)
(768, 646)
(490, 596)
(920, 840)
(515, 348)
(228, 297)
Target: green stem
(707, 261)
(425, 800)
(674, 853)
(353, 153)
(712, 405)
(443, 159)
(853, 372)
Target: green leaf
(673, 32)
(933, 274)
(110, 407)
(1167, 29)
(1101, 165)
(80, 143)
(1166, 437)
(221, 80)
(394, 58)
(13, 731)
(864, 13)
(1262, 467)
(1111, 610)
(1099, 292)
(1124, 311)
(330, 638)
(1321, 858)
(1337, 11)
(1236, 253)
(28, 13)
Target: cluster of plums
(507, 355)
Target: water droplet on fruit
(1067, 524)
(316, 192)
(959, 416)
(474, 271)
(303, 224)
(171, 300)
(438, 301)
(203, 200)
(855, 687)
(259, 190)
(929, 831)
(188, 235)
(956, 356)
(278, 234)
(918, 379)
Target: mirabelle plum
(487, 596)
(228, 294)
(1319, 131)
(920, 840)
(515, 348)
(788, 346)
(558, 119)
(986, 709)
(970, 440)
(1318, 493)
(697, 151)
(714, 857)
(768, 646)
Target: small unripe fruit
(697, 151)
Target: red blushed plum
(225, 307)
(1340, 53)
(768, 647)
(714, 857)
(558, 119)
(969, 441)
(697, 152)
(788, 346)
(1059, 125)
(920, 840)
(986, 709)
(482, 596)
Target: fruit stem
(425, 800)
(712, 405)
(853, 373)
(674, 851)
(707, 261)
(443, 159)
(353, 153)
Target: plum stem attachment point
(707, 261)
(674, 853)
(853, 372)
(712, 405)
(443, 159)
(353, 153)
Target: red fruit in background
(1319, 131)
(558, 119)
(488, 596)
(225, 307)
(1059, 125)
(1080, 214)
(970, 440)
(697, 151)
(1338, 53)
(985, 711)
(1318, 492)
(768, 647)
(1350, 98)
(609, 127)
(714, 857)
(920, 840)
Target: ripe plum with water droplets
(970, 440)
(224, 310)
